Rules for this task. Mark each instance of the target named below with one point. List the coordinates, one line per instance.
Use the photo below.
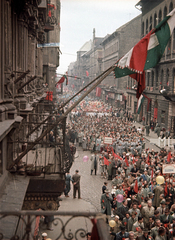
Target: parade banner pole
(102, 77)
(64, 104)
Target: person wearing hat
(76, 184)
(147, 211)
(132, 220)
(145, 235)
(154, 230)
(162, 208)
(122, 234)
(138, 223)
(94, 162)
(161, 234)
(166, 216)
(44, 236)
(116, 228)
(106, 200)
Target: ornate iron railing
(66, 225)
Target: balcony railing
(66, 225)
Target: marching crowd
(141, 204)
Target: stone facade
(163, 75)
(23, 25)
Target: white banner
(107, 140)
(168, 168)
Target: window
(150, 25)
(174, 41)
(171, 7)
(143, 25)
(174, 80)
(157, 78)
(165, 12)
(152, 78)
(169, 47)
(161, 77)
(162, 116)
(148, 78)
(167, 77)
(155, 20)
(1, 168)
(146, 26)
(160, 16)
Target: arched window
(173, 80)
(167, 76)
(174, 42)
(146, 26)
(161, 77)
(150, 24)
(143, 25)
(155, 20)
(157, 77)
(152, 78)
(160, 16)
(169, 47)
(164, 12)
(148, 78)
(170, 7)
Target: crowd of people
(141, 204)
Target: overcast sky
(79, 17)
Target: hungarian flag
(169, 157)
(136, 187)
(146, 53)
(139, 103)
(62, 79)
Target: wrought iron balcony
(66, 225)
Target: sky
(79, 17)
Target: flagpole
(64, 104)
(68, 75)
(30, 147)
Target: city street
(91, 185)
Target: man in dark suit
(76, 184)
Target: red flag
(49, 96)
(169, 157)
(136, 187)
(166, 190)
(87, 73)
(133, 160)
(106, 162)
(148, 160)
(126, 161)
(113, 153)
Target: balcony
(168, 93)
(66, 225)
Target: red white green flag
(62, 80)
(139, 103)
(146, 53)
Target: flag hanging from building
(139, 103)
(98, 91)
(146, 53)
(62, 80)
(87, 73)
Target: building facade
(161, 107)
